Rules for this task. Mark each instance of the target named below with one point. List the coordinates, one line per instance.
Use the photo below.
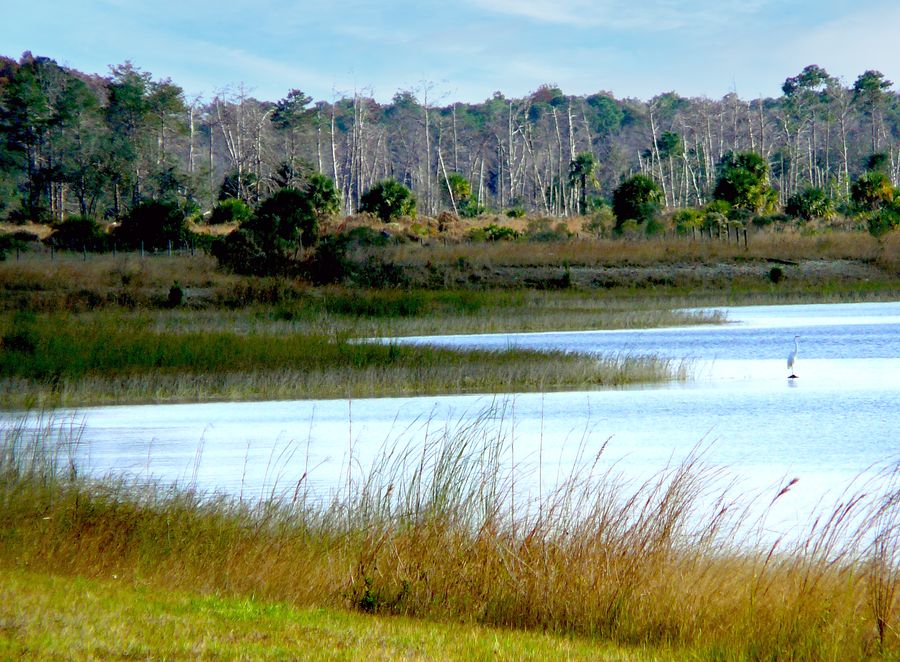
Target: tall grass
(448, 528)
(65, 361)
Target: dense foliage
(102, 147)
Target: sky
(462, 50)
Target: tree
(870, 90)
(638, 198)
(388, 199)
(581, 173)
(743, 182)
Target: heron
(792, 357)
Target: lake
(833, 423)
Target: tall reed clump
(455, 526)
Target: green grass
(437, 530)
(61, 360)
(44, 616)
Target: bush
(810, 203)
(230, 210)
(541, 230)
(154, 223)
(78, 233)
(871, 191)
(388, 199)
(284, 221)
(688, 220)
(493, 232)
(238, 252)
(638, 198)
(601, 222)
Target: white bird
(792, 357)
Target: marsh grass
(447, 528)
(65, 361)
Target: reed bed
(64, 361)
(445, 528)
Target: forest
(92, 146)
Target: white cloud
(653, 15)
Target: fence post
(142, 248)
(84, 252)
(169, 249)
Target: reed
(65, 361)
(448, 528)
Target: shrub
(154, 223)
(78, 233)
(688, 220)
(388, 199)
(230, 210)
(810, 203)
(493, 232)
(638, 198)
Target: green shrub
(230, 210)
(77, 233)
(388, 199)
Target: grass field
(44, 616)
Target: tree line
(104, 147)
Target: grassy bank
(47, 616)
(442, 530)
(61, 360)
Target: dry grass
(788, 245)
(445, 529)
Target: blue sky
(463, 50)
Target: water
(833, 423)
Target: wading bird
(792, 358)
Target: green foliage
(154, 224)
(493, 232)
(871, 191)
(388, 199)
(886, 219)
(272, 237)
(457, 186)
(743, 182)
(77, 233)
(471, 209)
(322, 195)
(688, 220)
(284, 221)
(516, 212)
(638, 198)
(230, 210)
(810, 203)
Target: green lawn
(46, 616)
